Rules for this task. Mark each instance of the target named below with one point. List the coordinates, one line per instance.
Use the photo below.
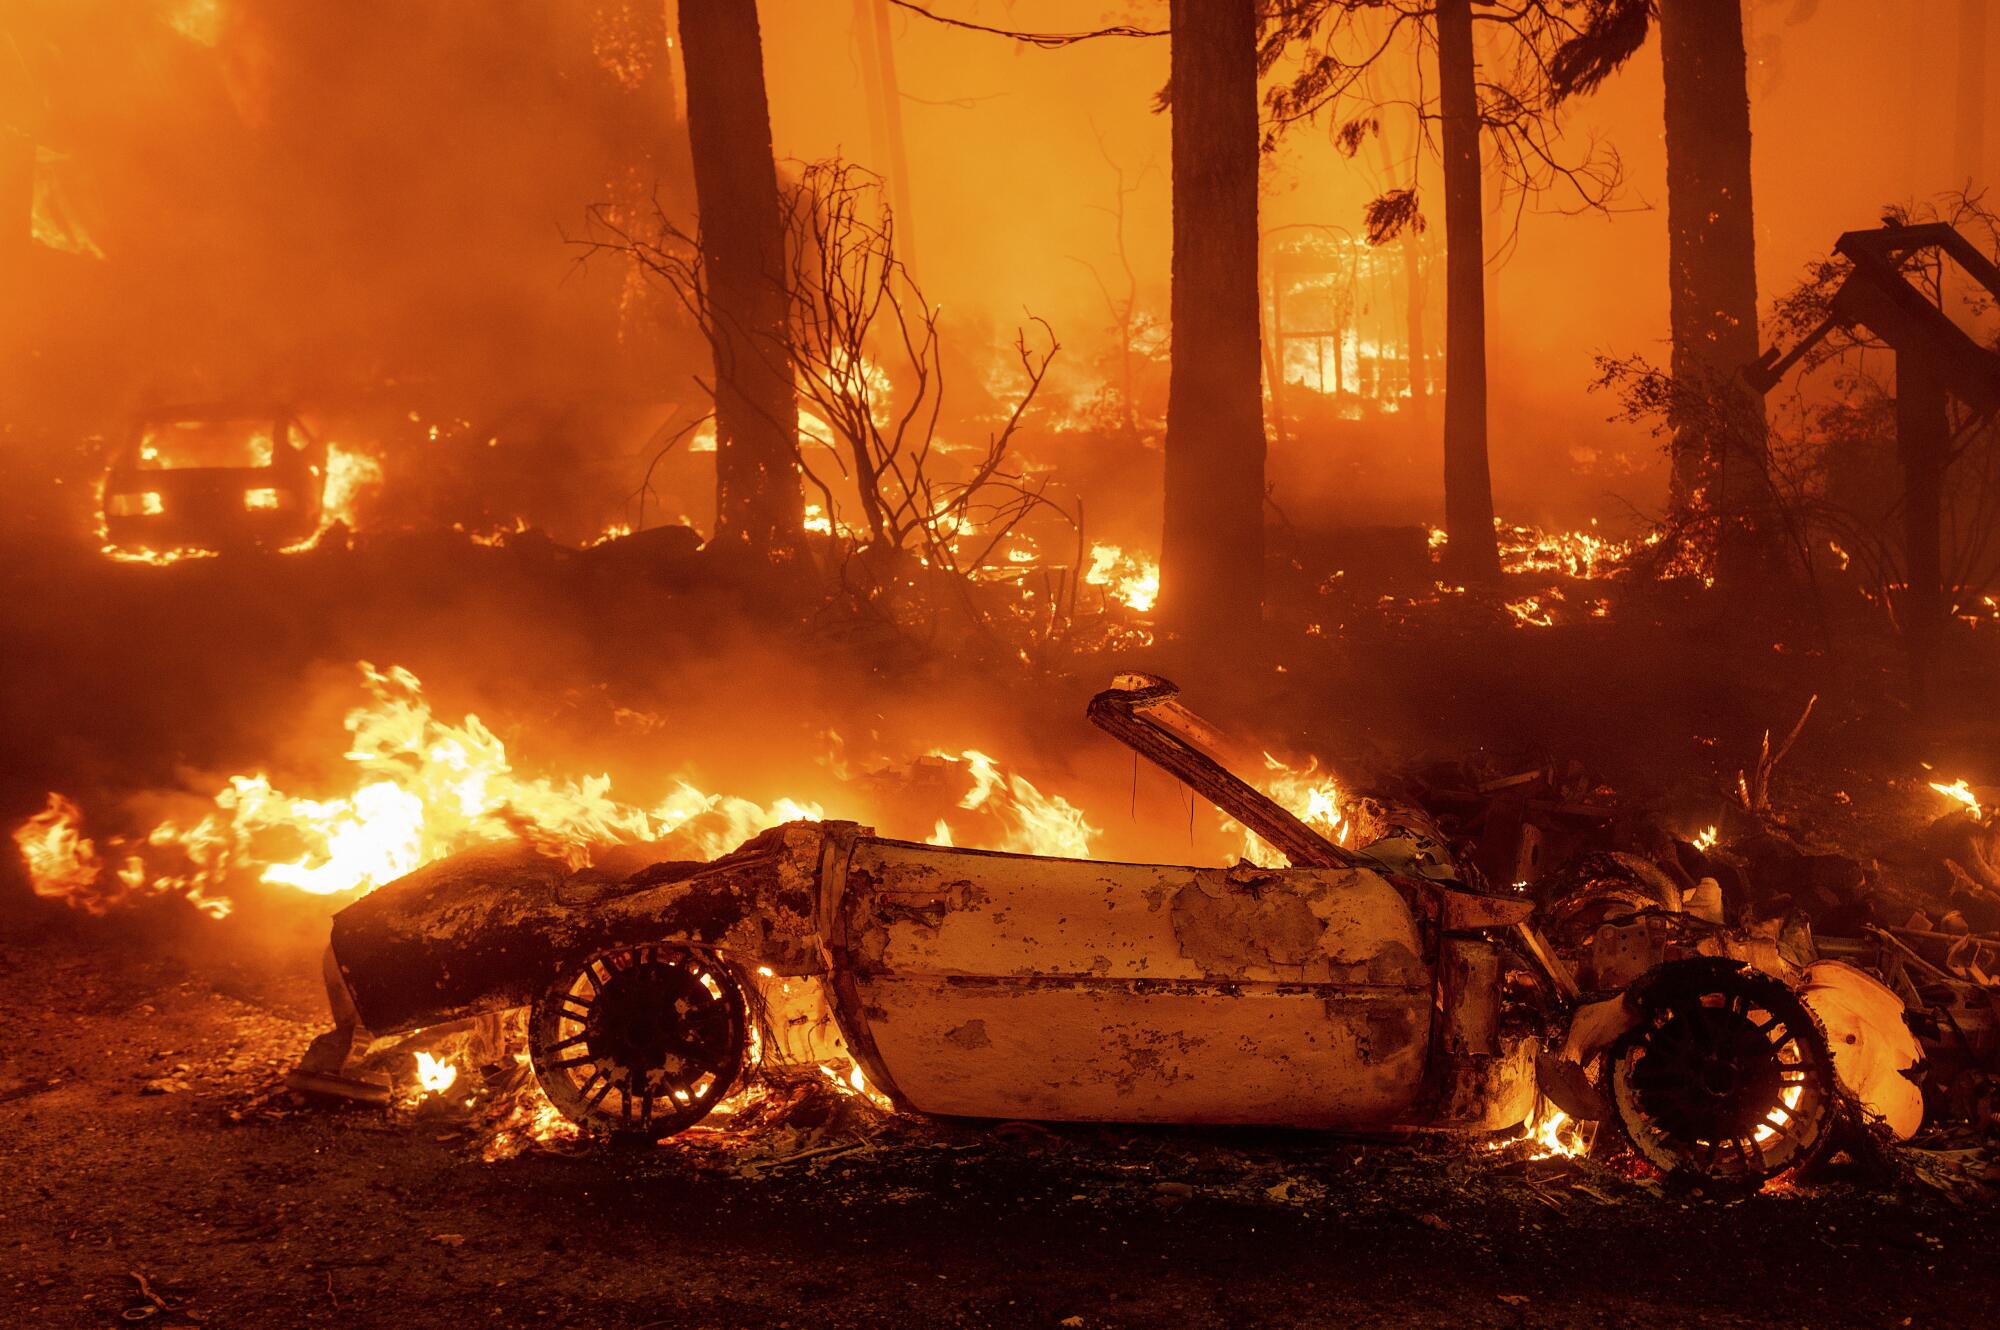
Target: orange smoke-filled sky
(325, 196)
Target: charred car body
(1371, 990)
(215, 477)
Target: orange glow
(420, 787)
(1778, 1117)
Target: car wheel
(1727, 1079)
(639, 1043)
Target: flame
(1549, 1134)
(1984, 610)
(1555, 1133)
(348, 473)
(62, 863)
(434, 1075)
(1705, 840)
(1584, 555)
(494, 537)
(1133, 580)
(1961, 792)
(529, 1120)
(1778, 1117)
(1030, 822)
(1529, 612)
(423, 788)
(1309, 794)
(853, 1082)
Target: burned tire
(639, 1043)
(1727, 1080)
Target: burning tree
(864, 348)
(1513, 102)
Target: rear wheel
(639, 1043)
(1727, 1079)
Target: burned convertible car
(1371, 990)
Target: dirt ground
(143, 1133)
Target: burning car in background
(215, 477)
(1380, 988)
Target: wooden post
(1923, 438)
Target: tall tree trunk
(1212, 545)
(885, 117)
(1969, 156)
(1711, 256)
(1471, 552)
(758, 501)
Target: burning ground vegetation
(1905, 1007)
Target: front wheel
(639, 1043)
